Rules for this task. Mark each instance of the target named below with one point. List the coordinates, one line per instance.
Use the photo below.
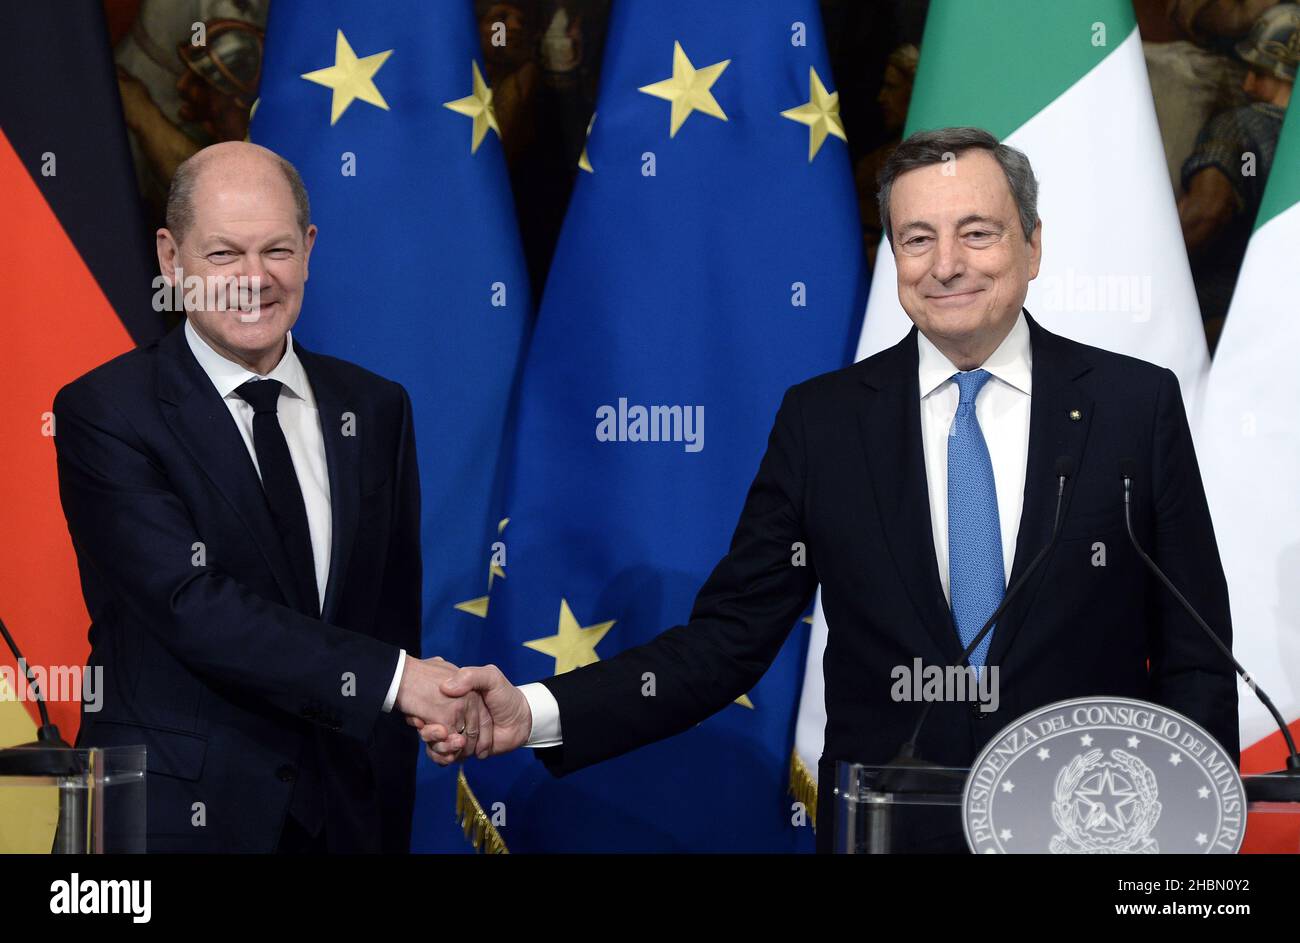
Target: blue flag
(711, 258)
(417, 272)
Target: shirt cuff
(546, 715)
(397, 681)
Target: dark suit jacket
(844, 473)
(208, 662)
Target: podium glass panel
(880, 810)
(67, 801)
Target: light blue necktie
(975, 571)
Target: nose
(949, 259)
(253, 266)
(255, 271)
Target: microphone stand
(907, 773)
(49, 756)
(1282, 785)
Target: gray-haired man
(921, 481)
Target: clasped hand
(463, 712)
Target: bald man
(246, 520)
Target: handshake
(462, 712)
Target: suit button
(286, 774)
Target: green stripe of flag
(1282, 191)
(996, 65)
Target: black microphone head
(1064, 466)
(1127, 469)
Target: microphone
(1064, 470)
(908, 774)
(1279, 786)
(47, 734)
(48, 756)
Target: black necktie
(280, 483)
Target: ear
(309, 240)
(168, 254)
(1035, 250)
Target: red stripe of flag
(57, 325)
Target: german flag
(76, 269)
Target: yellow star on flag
(584, 162)
(350, 78)
(821, 113)
(688, 89)
(477, 105)
(573, 645)
(478, 606)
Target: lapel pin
(1076, 415)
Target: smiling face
(244, 224)
(964, 266)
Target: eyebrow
(218, 239)
(977, 218)
(915, 224)
(921, 225)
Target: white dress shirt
(1002, 409)
(300, 423)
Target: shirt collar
(1012, 362)
(226, 375)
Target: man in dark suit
(922, 481)
(246, 520)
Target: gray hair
(180, 196)
(934, 147)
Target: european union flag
(417, 272)
(710, 259)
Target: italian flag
(1066, 83)
(1248, 440)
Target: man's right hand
(507, 720)
(454, 717)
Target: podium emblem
(1103, 775)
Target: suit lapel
(890, 415)
(1053, 432)
(341, 457)
(202, 422)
